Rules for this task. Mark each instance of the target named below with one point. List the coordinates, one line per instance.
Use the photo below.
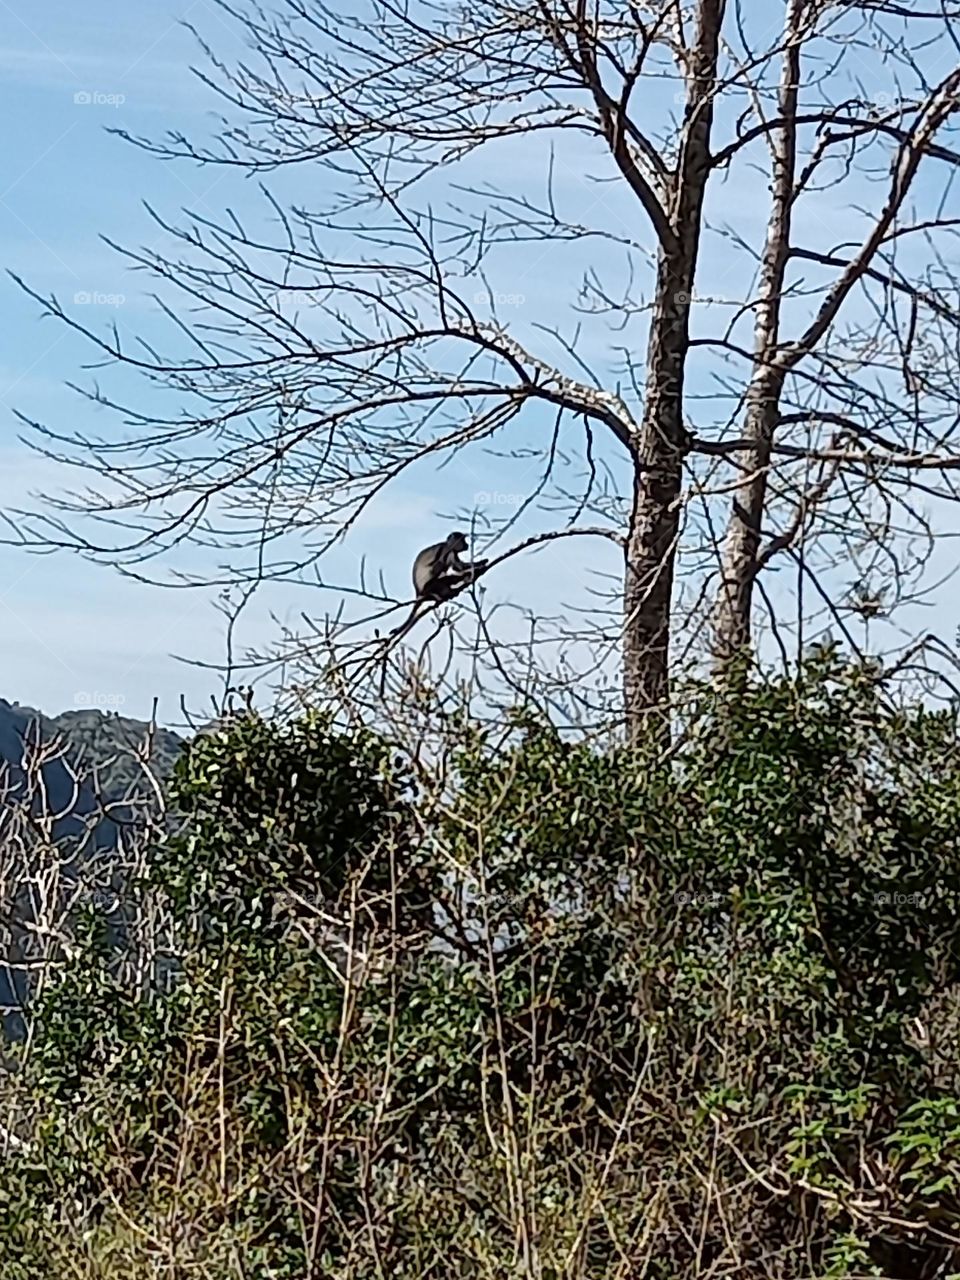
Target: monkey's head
(457, 542)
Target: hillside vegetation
(534, 1008)
(100, 745)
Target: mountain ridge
(93, 760)
(101, 746)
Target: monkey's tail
(405, 626)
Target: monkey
(438, 571)
(439, 574)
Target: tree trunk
(654, 526)
(658, 459)
(738, 563)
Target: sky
(72, 633)
(77, 634)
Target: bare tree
(824, 434)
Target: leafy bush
(535, 1010)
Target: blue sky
(72, 633)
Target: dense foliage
(532, 1010)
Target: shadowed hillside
(101, 746)
(68, 786)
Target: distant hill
(100, 746)
(105, 742)
(97, 766)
